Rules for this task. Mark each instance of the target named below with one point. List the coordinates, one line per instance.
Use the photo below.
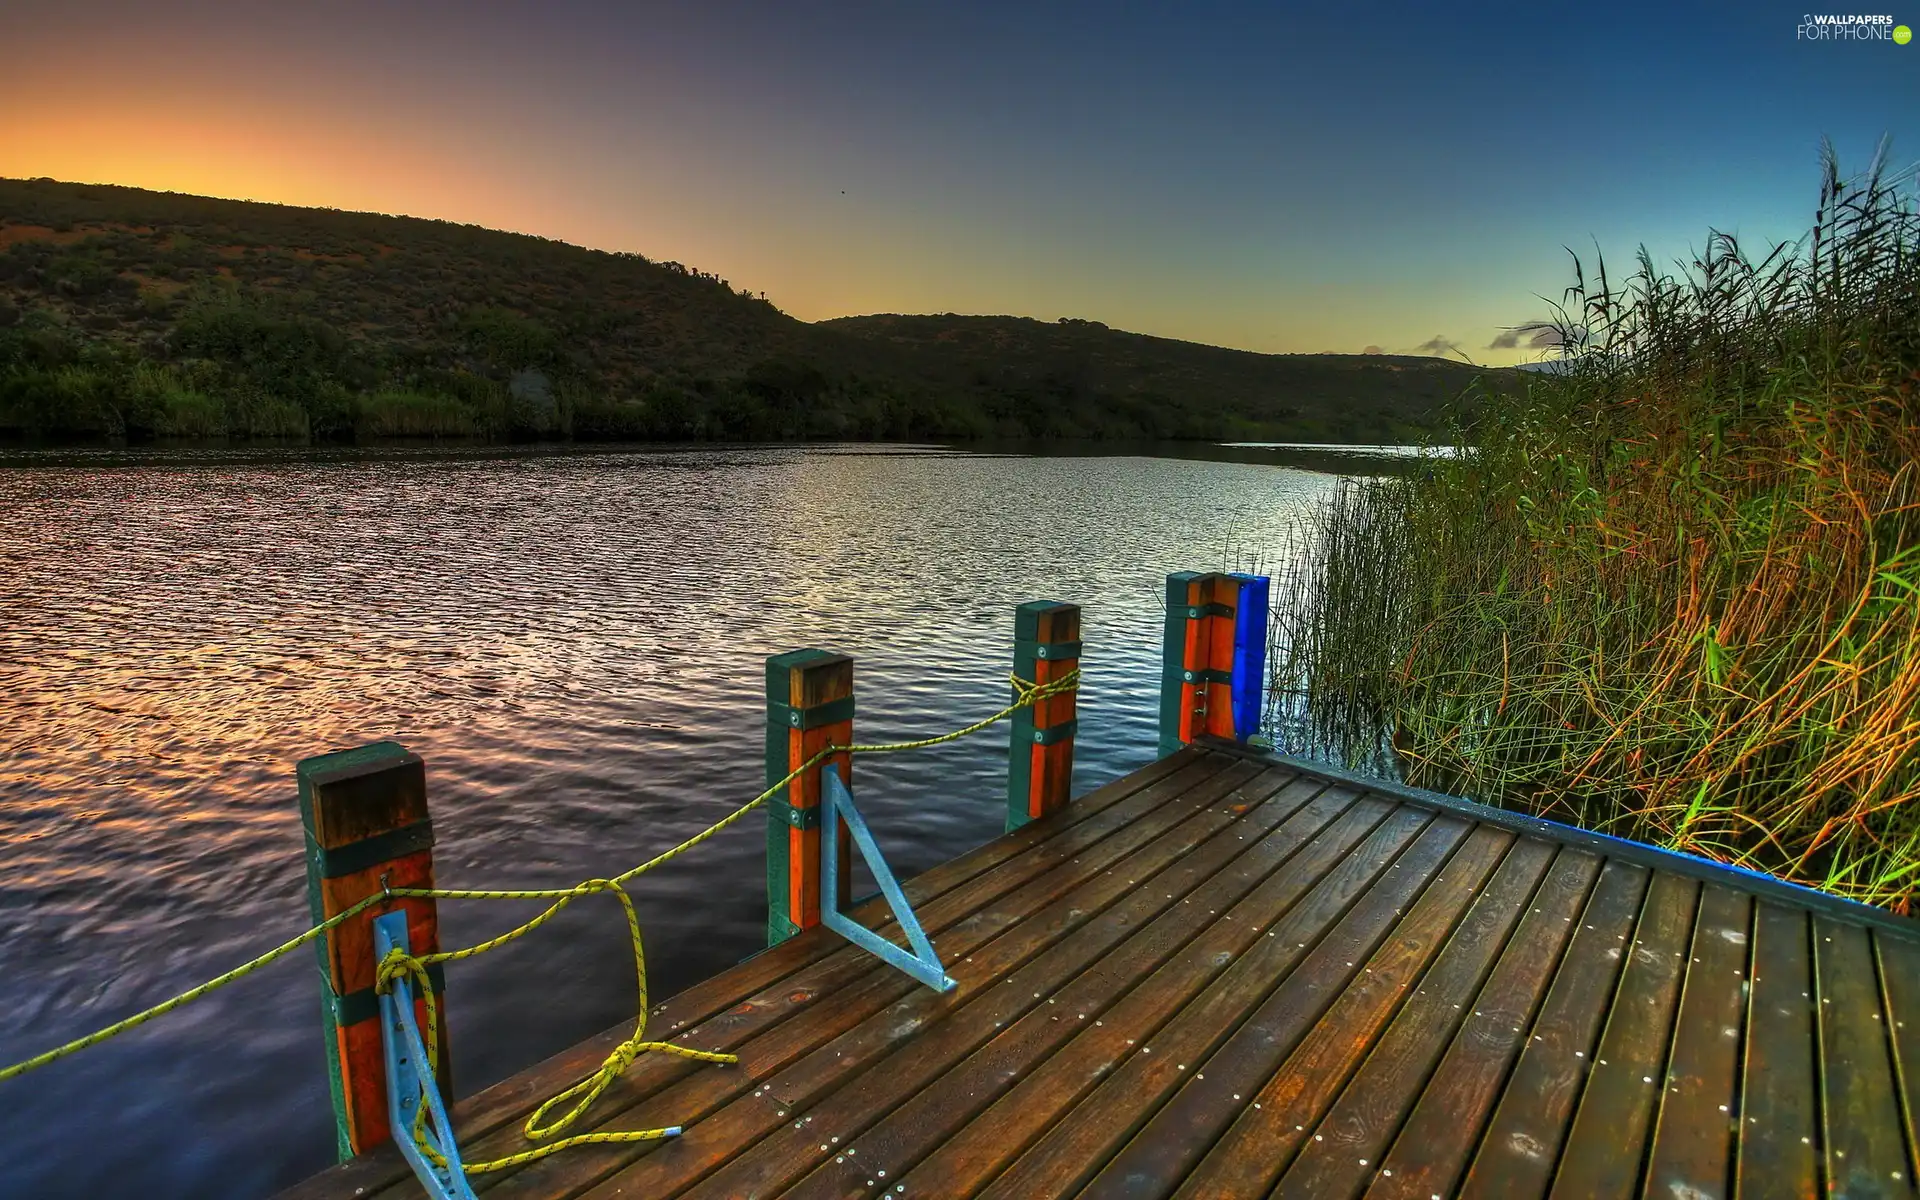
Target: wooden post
(1196, 676)
(1046, 645)
(367, 829)
(809, 707)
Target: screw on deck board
(367, 833)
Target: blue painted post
(1250, 654)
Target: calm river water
(574, 644)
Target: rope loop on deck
(400, 964)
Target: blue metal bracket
(409, 1081)
(837, 805)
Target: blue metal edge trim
(1758, 883)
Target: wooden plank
(796, 1062)
(765, 990)
(1304, 898)
(1692, 1152)
(1522, 1143)
(1433, 1146)
(1899, 960)
(1350, 1141)
(1866, 1152)
(1077, 1148)
(1056, 993)
(1606, 1149)
(1779, 1153)
(1254, 1130)
(1238, 894)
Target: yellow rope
(414, 967)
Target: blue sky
(1266, 176)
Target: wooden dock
(1228, 975)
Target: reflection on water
(573, 643)
(1356, 451)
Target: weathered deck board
(1250, 1145)
(1780, 1127)
(1431, 1149)
(1693, 1140)
(1233, 975)
(1519, 1152)
(1353, 1135)
(1605, 1149)
(1900, 979)
(1298, 898)
(1865, 1135)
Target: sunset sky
(1266, 176)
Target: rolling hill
(134, 314)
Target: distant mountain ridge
(132, 313)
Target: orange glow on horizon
(276, 157)
(188, 118)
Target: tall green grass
(1674, 593)
(397, 412)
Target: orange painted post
(809, 707)
(1046, 646)
(1196, 680)
(367, 829)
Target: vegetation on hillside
(1674, 594)
(133, 314)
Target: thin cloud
(1439, 345)
(1373, 350)
(1535, 335)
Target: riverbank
(133, 314)
(1327, 459)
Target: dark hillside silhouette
(138, 314)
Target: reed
(1673, 593)
(397, 412)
